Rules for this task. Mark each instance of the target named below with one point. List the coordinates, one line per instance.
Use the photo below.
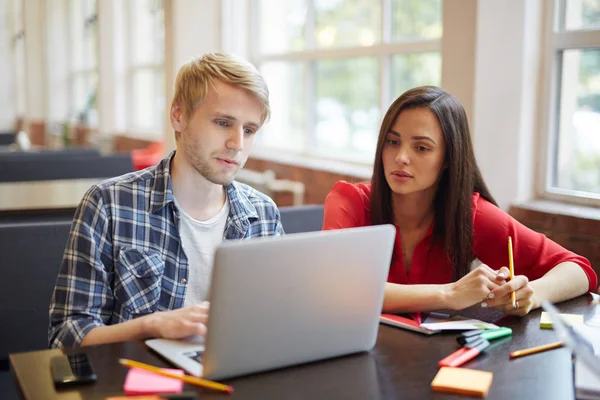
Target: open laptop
(577, 339)
(282, 301)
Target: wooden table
(402, 365)
(43, 195)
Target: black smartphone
(72, 369)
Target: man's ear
(177, 119)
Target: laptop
(583, 341)
(288, 300)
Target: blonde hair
(194, 78)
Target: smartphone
(71, 370)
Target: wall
(581, 235)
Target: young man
(139, 257)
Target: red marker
(464, 354)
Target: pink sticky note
(139, 382)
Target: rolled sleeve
(82, 298)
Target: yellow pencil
(192, 380)
(537, 349)
(511, 268)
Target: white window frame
(555, 41)
(384, 50)
(131, 69)
(75, 73)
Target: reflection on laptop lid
(574, 340)
(282, 301)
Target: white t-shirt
(199, 240)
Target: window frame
(556, 40)
(382, 51)
(85, 72)
(132, 68)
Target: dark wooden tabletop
(401, 366)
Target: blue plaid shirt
(124, 257)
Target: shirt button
(183, 281)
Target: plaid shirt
(124, 257)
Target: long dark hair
(453, 204)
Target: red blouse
(348, 205)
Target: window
(572, 110)
(146, 67)
(17, 35)
(83, 27)
(334, 66)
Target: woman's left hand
(500, 297)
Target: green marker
(490, 334)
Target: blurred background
(100, 74)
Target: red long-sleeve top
(348, 205)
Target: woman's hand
(476, 286)
(500, 297)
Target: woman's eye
(392, 142)
(422, 148)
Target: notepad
(570, 319)
(466, 381)
(140, 382)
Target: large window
(146, 67)
(572, 111)
(83, 27)
(334, 66)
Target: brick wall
(317, 183)
(580, 235)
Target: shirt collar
(162, 192)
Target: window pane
(287, 126)
(148, 100)
(148, 31)
(577, 154)
(416, 19)
(282, 25)
(582, 14)
(83, 33)
(347, 23)
(412, 70)
(84, 108)
(347, 108)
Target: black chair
(31, 256)
(44, 166)
(7, 138)
(307, 218)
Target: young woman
(427, 183)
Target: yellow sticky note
(466, 381)
(570, 319)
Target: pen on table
(534, 350)
(464, 354)
(511, 268)
(192, 380)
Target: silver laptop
(282, 301)
(578, 343)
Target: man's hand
(177, 324)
